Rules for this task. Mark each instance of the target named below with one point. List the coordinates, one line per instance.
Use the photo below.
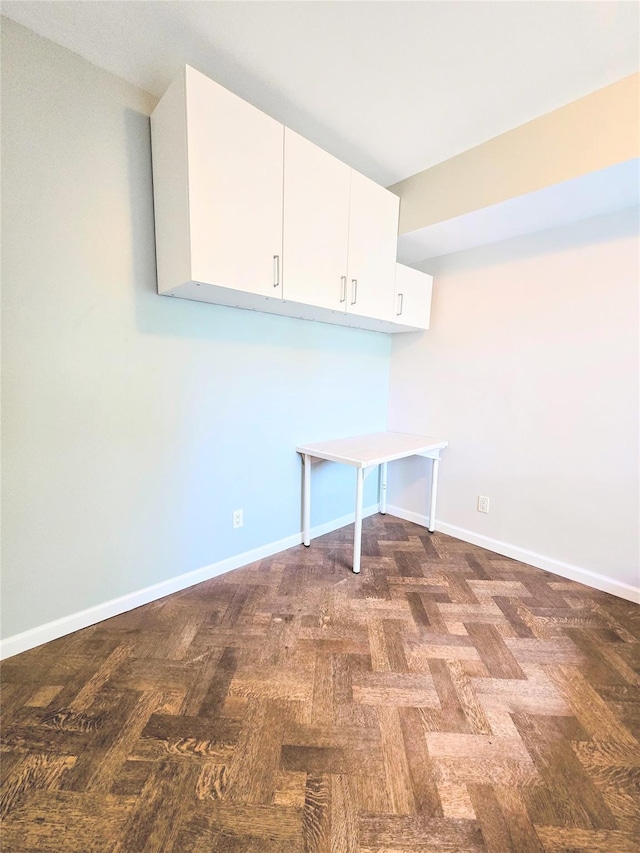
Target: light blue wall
(134, 424)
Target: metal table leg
(306, 500)
(434, 489)
(383, 488)
(357, 533)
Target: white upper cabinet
(412, 297)
(218, 173)
(340, 234)
(250, 214)
(373, 238)
(316, 224)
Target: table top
(363, 451)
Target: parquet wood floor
(447, 699)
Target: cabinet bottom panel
(200, 292)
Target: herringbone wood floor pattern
(448, 699)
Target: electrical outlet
(238, 520)
(483, 504)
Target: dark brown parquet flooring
(448, 699)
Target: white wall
(134, 424)
(531, 369)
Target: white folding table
(364, 453)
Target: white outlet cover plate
(483, 504)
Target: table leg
(306, 500)
(434, 489)
(357, 533)
(383, 488)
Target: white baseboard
(407, 515)
(75, 621)
(550, 564)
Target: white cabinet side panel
(171, 211)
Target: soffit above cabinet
(594, 194)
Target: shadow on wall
(172, 317)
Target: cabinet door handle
(400, 304)
(354, 291)
(343, 288)
(276, 270)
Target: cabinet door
(316, 224)
(373, 241)
(412, 297)
(235, 174)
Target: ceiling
(389, 87)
